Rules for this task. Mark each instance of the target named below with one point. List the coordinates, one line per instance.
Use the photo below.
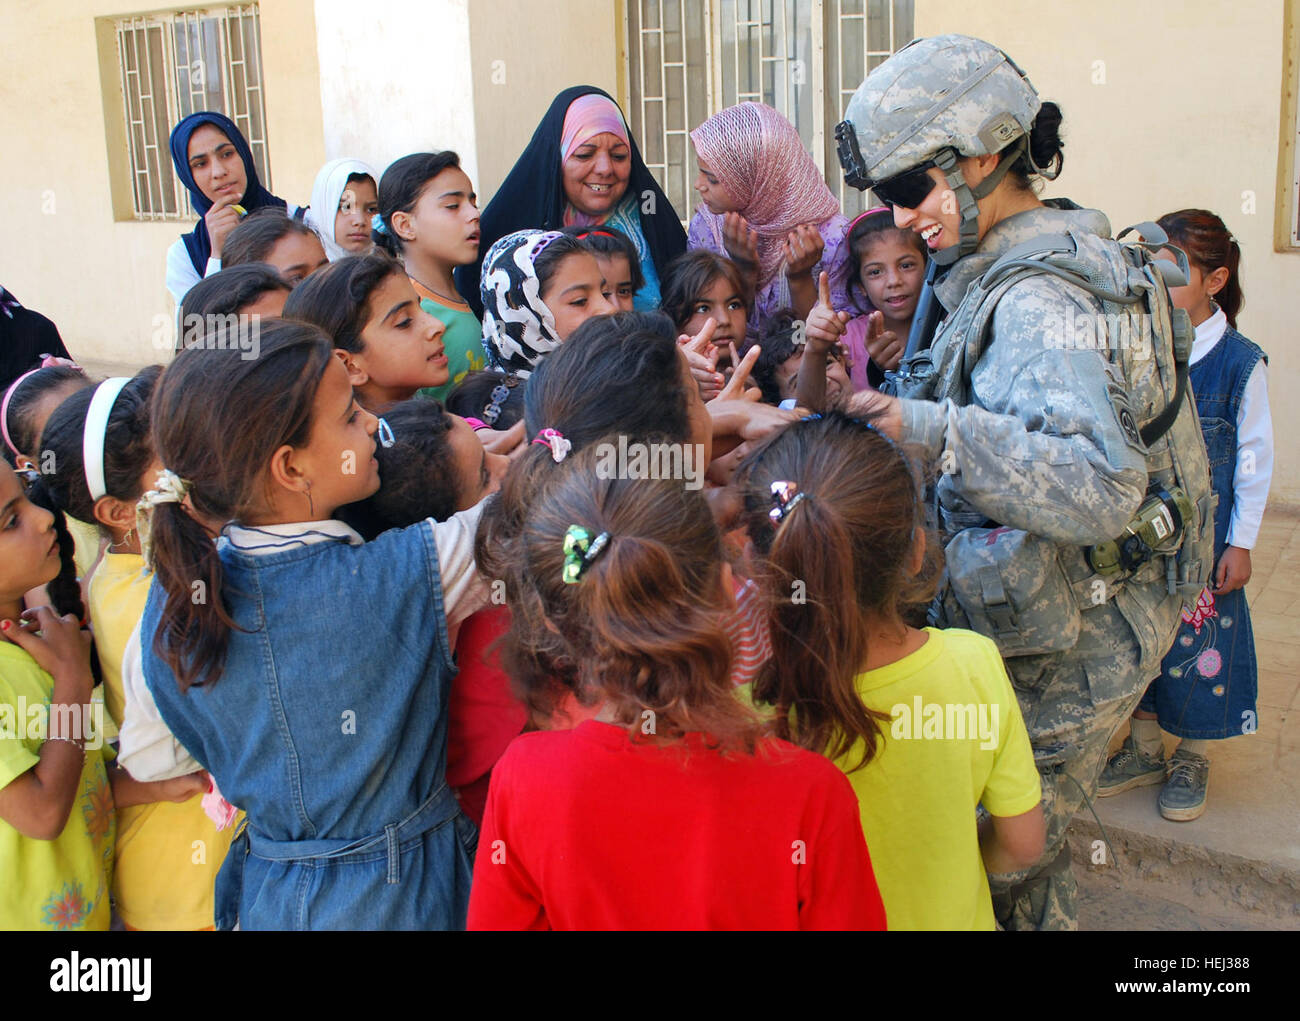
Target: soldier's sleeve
(1049, 443)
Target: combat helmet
(933, 101)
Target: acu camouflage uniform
(1033, 415)
(1038, 442)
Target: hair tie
(95, 431)
(377, 224)
(785, 496)
(476, 423)
(385, 433)
(552, 438)
(493, 410)
(168, 487)
(580, 549)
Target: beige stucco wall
(99, 279)
(524, 52)
(1188, 115)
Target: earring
(113, 547)
(311, 507)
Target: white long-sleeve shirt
(146, 748)
(1254, 440)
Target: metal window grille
(687, 60)
(173, 65)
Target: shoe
(1129, 768)
(1183, 797)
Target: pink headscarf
(587, 117)
(759, 158)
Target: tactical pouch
(1009, 586)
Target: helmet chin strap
(966, 196)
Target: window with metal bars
(174, 64)
(688, 59)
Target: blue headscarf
(197, 242)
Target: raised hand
(884, 346)
(736, 390)
(221, 219)
(703, 358)
(803, 249)
(825, 326)
(739, 239)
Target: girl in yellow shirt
(168, 850)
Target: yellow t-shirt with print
(63, 883)
(168, 853)
(957, 739)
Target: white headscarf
(330, 184)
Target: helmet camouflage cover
(946, 91)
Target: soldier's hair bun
(1045, 145)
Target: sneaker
(1183, 797)
(1129, 768)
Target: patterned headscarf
(759, 158)
(331, 183)
(518, 328)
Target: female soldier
(1037, 430)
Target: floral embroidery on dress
(67, 909)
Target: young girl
(26, 406)
(56, 808)
(767, 206)
(286, 245)
(435, 467)
(215, 164)
(336, 753)
(617, 257)
(888, 271)
(671, 783)
(105, 462)
(344, 200)
(703, 285)
(390, 345)
(537, 288)
(1208, 683)
(428, 218)
(777, 371)
(834, 514)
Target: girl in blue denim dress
(1208, 682)
(307, 671)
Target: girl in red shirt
(670, 809)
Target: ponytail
(843, 547)
(208, 443)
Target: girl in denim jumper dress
(1208, 682)
(307, 671)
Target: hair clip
(542, 243)
(495, 399)
(811, 418)
(377, 224)
(580, 549)
(785, 495)
(385, 433)
(552, 438)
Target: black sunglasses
(907, 189)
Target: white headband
(92, 437)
